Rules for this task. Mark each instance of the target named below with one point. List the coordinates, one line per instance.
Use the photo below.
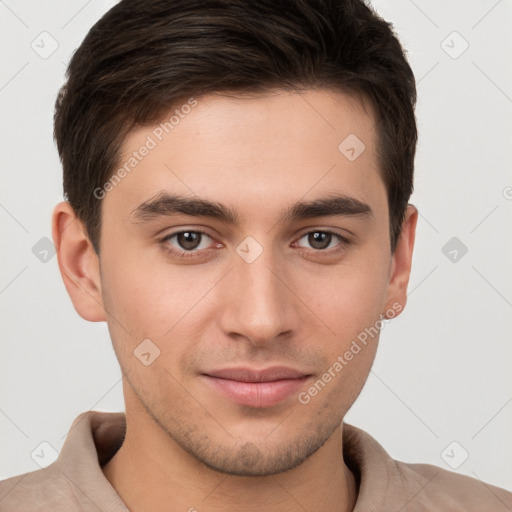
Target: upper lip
(246, 374)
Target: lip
(257, 388)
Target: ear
(401, 263)
(78, 263)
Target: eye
(322, 240)
(187, 243)
(194, 243)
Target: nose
(259, 305)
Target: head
(189, 132)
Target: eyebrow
(165, 204)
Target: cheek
(150, 297)
(168, 305)
(347, 300)
(348, 308)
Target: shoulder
(389, 484)
(433, 488)
(74, 482)
(37, 491)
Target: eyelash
(193, 254)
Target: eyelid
(344, 241)
(332, 231)
(180, 252)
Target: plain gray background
(441, 387)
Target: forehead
(253, 152)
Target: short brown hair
(143, 56)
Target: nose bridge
(259, 307)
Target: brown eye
(186, 243)
(321, 240)
(188, 240)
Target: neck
(152, 472)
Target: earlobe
(401, 263)
(78, 263)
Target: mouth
(256, 388)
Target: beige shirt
(75, 481)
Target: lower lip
(257, 394)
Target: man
(237, 176)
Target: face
(251, 306)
